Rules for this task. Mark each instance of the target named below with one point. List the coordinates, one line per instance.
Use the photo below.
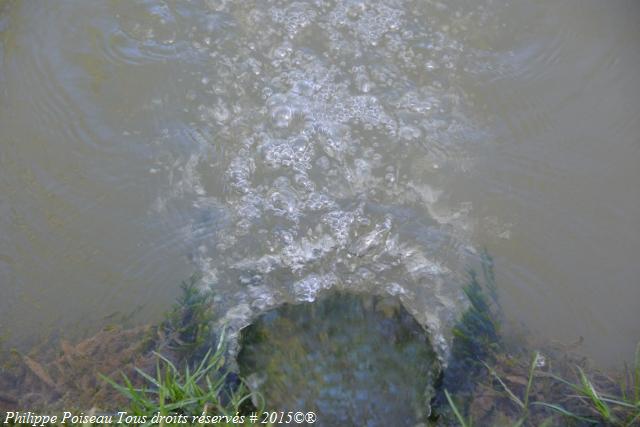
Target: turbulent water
(287, 147)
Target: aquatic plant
(186, 329)
(476, 336)
(484, 381)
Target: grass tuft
(188, 391)
(600, 407)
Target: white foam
(326, 119)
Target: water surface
(287, 147)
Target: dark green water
(353, 360)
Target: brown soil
(65, 375)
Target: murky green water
(351, 359)
(287, 147)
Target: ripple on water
(301, 143)
(314, 179)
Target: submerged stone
(352, 359)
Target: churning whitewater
(323, 127)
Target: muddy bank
(346, 356)
(59, 374)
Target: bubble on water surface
(324, 120)
(282, 116)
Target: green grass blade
(457, 413)
(511, 395)
(636, 376)
(205, 361)
(564, 412)
(167, 361)
(590, 392)
(148, 377)
(620, 403)
(532, 369)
